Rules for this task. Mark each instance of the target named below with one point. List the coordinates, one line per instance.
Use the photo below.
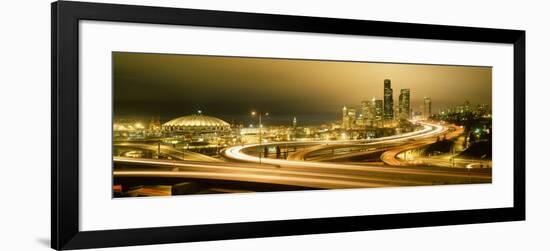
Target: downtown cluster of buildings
(464, 112)
(383, 113)
(375, 118)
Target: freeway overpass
(173, 152)
(299, 174)
(330, 176)
(239, 152)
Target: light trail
(271, 179)
(302, 173)
(341, 176)
(180, 154)
(199, 168)
(430, 130)
(390, 157)
(237, 152)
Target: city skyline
(212, 124)
(261, 84)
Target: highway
(322, 177)
(446, 161)
(390, 157)
(246, 172)
(306, 174)
(178, 154)
(237, 152)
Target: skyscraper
(367, 112)
(365, 108)
(345, 118)
(352, 115)
(405, 104)
(348, 117)
(388, 100)
(427, 108)
(378, 109)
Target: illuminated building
(360, 121)
(427, 112)
(464, 112)
(352, 115)
(388, 100)
(378, 109)
(367, 112)
(154, 124)
(417, 115)
(482, 109)
(196, 124)
(155, 127)
(123, 128)
(348, 117)
(405, 104)
(467, 108)
(372, 111)
(345, 118)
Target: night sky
(314, 91)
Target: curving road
(179, 154)
(307, 174)
(237, 152)
(390, 157)
(335, 176)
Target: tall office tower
(378, 109)
(352, 115)
(294, 122)
(388, 100)
(365, 109)
(405, 104)
(427, 108)
(345, 118)
(366, 112)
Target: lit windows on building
(405, 104)
(388, 100)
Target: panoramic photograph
(202, 124)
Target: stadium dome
(196, 123)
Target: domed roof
(196, 121)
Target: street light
(253, 113)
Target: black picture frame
(65, 233)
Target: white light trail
(236, 152)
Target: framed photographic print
(177, 125)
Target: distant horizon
(171, 86)
(272, 119)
